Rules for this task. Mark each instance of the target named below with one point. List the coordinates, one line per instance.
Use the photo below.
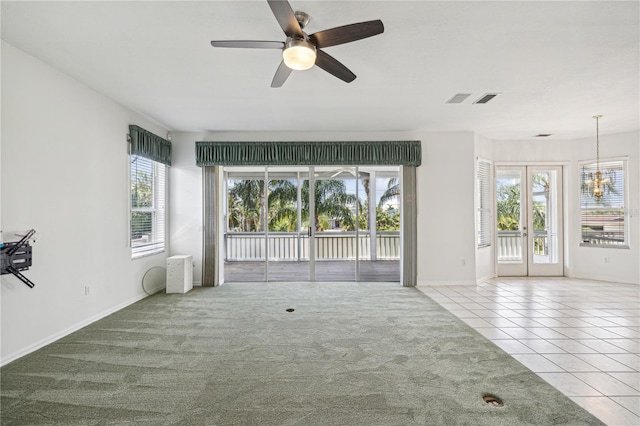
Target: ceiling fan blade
(282, 73)
(286, 18)
(248, 44)
(332, 66)
(347, 33)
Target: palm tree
(246, 203)
(246, 198)
(283, 212)
(392, 191)
(331, 202)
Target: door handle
(309, 232)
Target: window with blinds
(148, 189)
(604, 220)
(483, 209)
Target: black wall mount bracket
(16, 257)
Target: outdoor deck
(326, 270)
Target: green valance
(404, 153)
(146, 144)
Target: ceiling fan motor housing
(303, 18)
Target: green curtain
(210, 268)
(146, 144)
(405, 153)
(410, 227)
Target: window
(604, 220)
(148, 188)
(483, 212)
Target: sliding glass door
(288, 218)
(380, 258)
(322, 223)
(336, 231)
(245, 217)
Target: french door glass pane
(545, 218)
(509, 217)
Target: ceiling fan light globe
(299, 55)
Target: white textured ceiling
(556, 64)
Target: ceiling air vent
(458, 98)
(486, 98)
(542, 135)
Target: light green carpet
(350, 354)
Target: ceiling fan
(301, 51)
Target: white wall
(446, 213)
(445, 197)
(64, 173)
(185, 202)
(587, 262)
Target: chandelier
(596, 182)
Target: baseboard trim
(601, 278)
(57, 336)
(444, 283)
(485, 279)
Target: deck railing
(613, 238)
(251, 246)
(510, 245)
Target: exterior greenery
(248, 205)
(508, 209)
(508, 205)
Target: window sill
(146, 254)
(611, 246)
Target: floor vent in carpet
(493, 400)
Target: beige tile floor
(581, 336)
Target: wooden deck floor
(328, 271)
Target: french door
(319, 223)
(529, 221)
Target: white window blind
(483, 212)
(148, 189)
(604, 220)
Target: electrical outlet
(464, 262)
(87, 290)
(606, 260)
